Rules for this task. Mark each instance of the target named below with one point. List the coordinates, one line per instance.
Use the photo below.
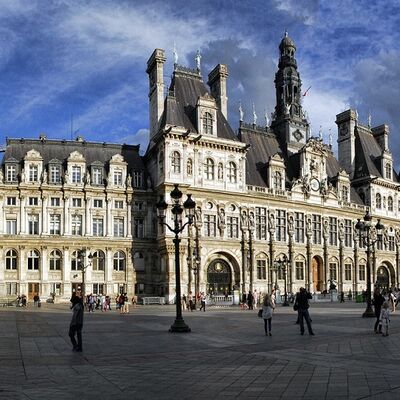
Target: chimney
(346, 122)
(381, 135)
(155, 69)
(217, 82)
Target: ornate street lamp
(281, 264)
(177, 210)
(368, 236)
(82, 267)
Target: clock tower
(289, 122)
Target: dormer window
(11, 173)
(378, 201)
(137, 179)
(207, 123)
(76, 174)
(97, 175)
(277, 181)
(117, 178)
(232, 172)
(345, 193)
(388, 170)
(55, 173)
(176, 162)
(33, 173)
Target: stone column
(67, 225)
(88, 213)
(45, 224)
(22, 216)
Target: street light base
(179, 326)
(368, 313)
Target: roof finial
(320, 132)
(369, 119)
(175, 55)
(241, 114)
(286, 33)
(254, 115)
(330, 138)
(198, 60)
(266, 118)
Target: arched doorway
(316, 268)
(382, 278)
(219, 277)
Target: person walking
(203, 302)
(76, 325)
(267, 310)
(191, 302)
(385, 318)
(378, 300)
(392, 301)
(273, 298)
(250, 300)
(303, 305)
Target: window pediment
(33, 155)
(76, 156)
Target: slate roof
(61, 149)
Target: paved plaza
(226, 355)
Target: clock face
(298, 135)
(314, 184)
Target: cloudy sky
(84, 61)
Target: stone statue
(251, 221)
(23, 175)
(1, 176)
(129, 181)
(198, 60)
(175, 55)
(197, 215)
(87, 178)
(287, 106)
(66, 177)
(221, 217)
(243, 220)
(271, 220)
(241, 114)
(266, 118)
(254, 116)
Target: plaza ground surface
(227, 355)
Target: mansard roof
(180, 105)
(93, 152)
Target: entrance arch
(219, 277)
(382, 278)
(316, 270)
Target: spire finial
(286, 33)
(254, 115)
(241, 114)
(266, 118)
(369, 119)
(320, 132)
(175, 55)
(198, 60)
(330, 138)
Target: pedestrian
(255, 299)
(184, 302)
(76, 325)
(302, 306)
(126, 303)
(36, 300)
(250, 300)
(342, 296)
(191, 302)
(392, 301)
(378, 300)
(385, 318)
(121, 303)
(203, 302)
(267, 310)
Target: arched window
(119, 261)
(98, 261)
(207, 123)
(388, 170)
(390, 203)
(33, 260)
(11, 259)
(277, 181)
(189, 167)
(345, 193)
(55, 261)
(232, 173)
(220, 171)
(378, 201)
(209, 169)
(176, 162)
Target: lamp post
(177, 210)
(82, 267)
(281, 264)
(365, 232)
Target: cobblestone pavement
(225, 356)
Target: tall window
(55, 202)
(118, 227)
(119, 204)
(33, 173)
(11, 260)
(361, 272)
(138, 228)
(98, 288)
(33, 201)
(98, 227)
(55, 224)
(11, 201)
(390, 203)
(261, 223)
(207, 123)
(76, 225)
(299, 227)
(345, 193)
(11, 173)
(189, 167)
(388, 170)
(55, 261)
(33, 224)
(299, 270)
(232, 227)
(119, 261)
(332, 271)
(378, 201)
(176, 162)
(261, 269)
(117, 178)
(76, 202)
(209, 225)
(74, 261)
(316, 228)
(232, 172)
(391, 246)
(98, 261)
(209, 169)
(280, 225)
(333, 231)
(11, 226)
(97, 176)
(348, 233)
(55, 174)
(277, 180)
(98, 203)
(137, 179)
(33, 260)
(347, 272)
(76, 174)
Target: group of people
(189, 302)
(383, 307)
(253, 299)
(97, 302)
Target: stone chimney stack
(381, 134)
(155, 69)
(346, 122)
(217, 82)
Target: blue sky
(87, 59)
